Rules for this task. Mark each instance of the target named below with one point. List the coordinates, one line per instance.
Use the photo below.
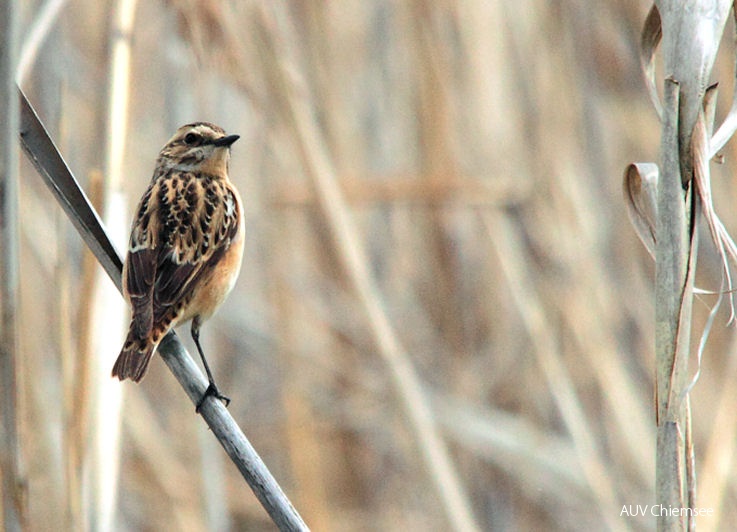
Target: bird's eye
(191, 139)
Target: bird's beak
(225, 142)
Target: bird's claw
(211, 391)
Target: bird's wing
(139, 271)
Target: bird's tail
(134, 358)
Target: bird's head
(201, 146)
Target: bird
(185, 248)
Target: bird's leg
(211, 390)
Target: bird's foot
(211, 391)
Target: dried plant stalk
(673, 316)
(12, 504)
(109, 311)
(690, 41)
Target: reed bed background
(435, 227)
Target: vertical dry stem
(11, 487)
(109, 309)
(673, 294)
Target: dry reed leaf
(652, 33)
(690, 467)
(721, 239)
(640, 187)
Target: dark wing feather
(172, 278)
(141, 271)
(141, 268)
(139, 284)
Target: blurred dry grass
(479, 147)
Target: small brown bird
(185, 248)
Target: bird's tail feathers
(134, 358)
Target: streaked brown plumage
(185, 247)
